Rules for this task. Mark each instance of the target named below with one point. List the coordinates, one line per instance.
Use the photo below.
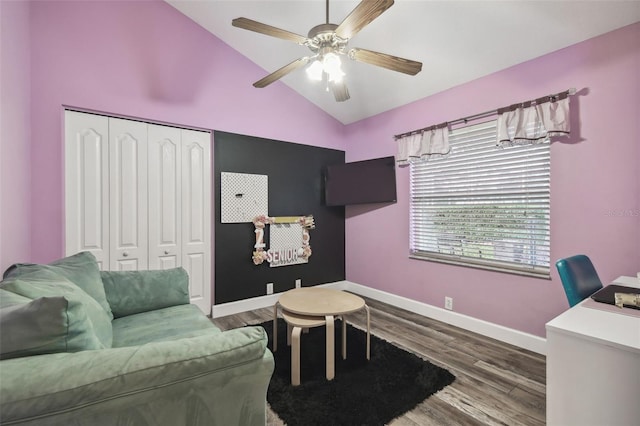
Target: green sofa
(83, 347)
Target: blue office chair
(579, 278)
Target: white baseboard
(504, 334)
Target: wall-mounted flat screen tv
(360, 182)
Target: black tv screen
(360, 182)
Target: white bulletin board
(243, 196)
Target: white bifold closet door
(196, 214)
(180, 206)
(165, 210)
(87, 185)
(128, 195)
(138, 196)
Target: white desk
(593, 366)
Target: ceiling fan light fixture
(336, 76)
(331, 63)
(314, 71)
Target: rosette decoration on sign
(284, 253)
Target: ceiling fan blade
(248, 24)
(383, 60)
(363, 14)
(278, 74)
(340, 91)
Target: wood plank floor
(496, 383)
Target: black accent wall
(295, 189)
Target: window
(483, 206)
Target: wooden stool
(295, 324)
(306, 307)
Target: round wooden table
(308, 307)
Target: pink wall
(595, 173)
(144, 59)
(15, 169)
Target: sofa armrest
(132, 292)
(219, 379)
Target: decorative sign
(242, 196)
(289, 240)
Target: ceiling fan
(328, 42)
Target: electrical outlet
(448, 303)
(298, 283)
(269, 288)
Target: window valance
(533, 123)
(433, 141)
(528, 122)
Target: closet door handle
(166, 252)
(125, 254)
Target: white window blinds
(482, 205)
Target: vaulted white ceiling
(457, 41)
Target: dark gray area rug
(363, 392)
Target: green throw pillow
(46, 283)
(81, 269)
(132, 292)
(44, 325)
